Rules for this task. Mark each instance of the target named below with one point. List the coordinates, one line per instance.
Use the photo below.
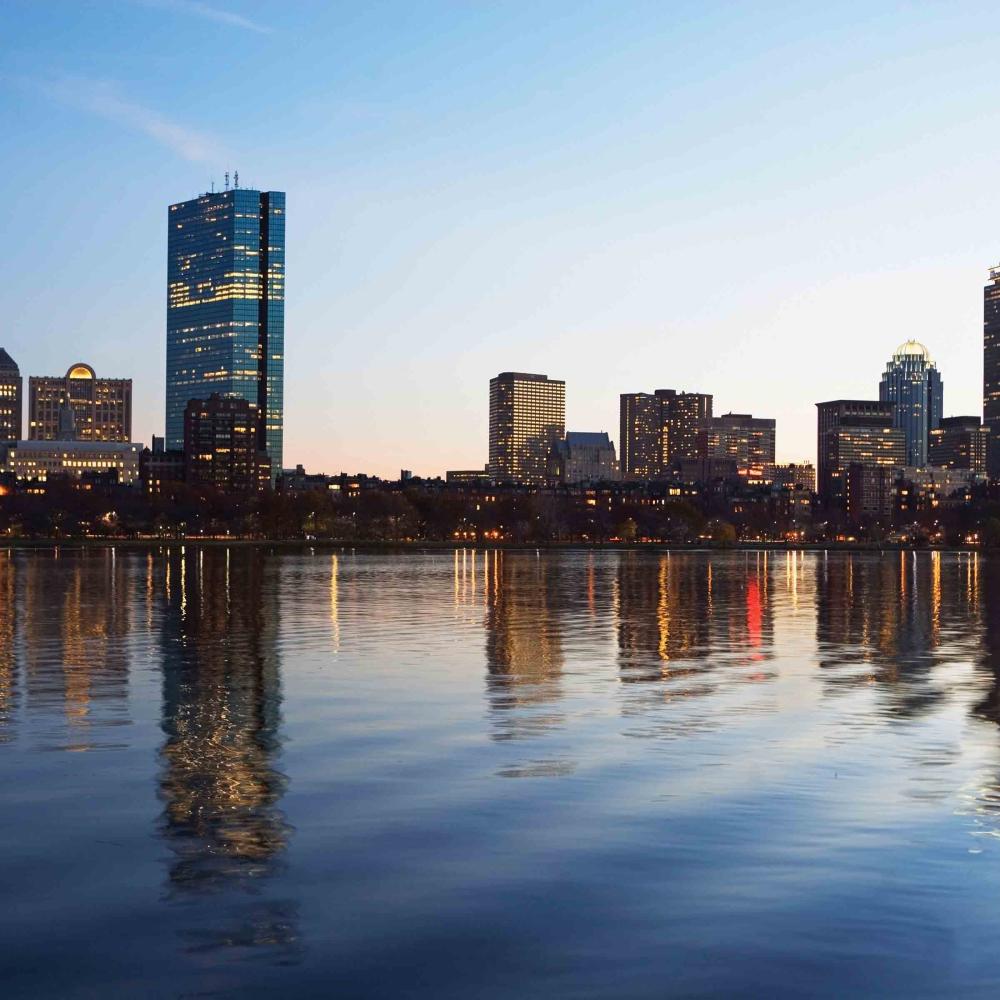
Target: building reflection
(891, 620)
(8, 640)
(524, 655)
(74, 612)
(219, 784)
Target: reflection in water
(8, 635)
(524, 657)
(221, 717)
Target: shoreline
(450, 546)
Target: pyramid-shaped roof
(7, 363)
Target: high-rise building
(683, 416)
(912, 382)
(660, 429)
(584, 457)
(746, 440)
(959, 443)
(79, 406)
(991, 370)
(11, 388)
(639, 435)
(226, 308)
(859, 432)
(221, 445)
(527, 417)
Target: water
(238, 773)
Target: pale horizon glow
(761, 203)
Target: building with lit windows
(796, 476)
(859, 416)
(226, 308)
(41, 460)
(221, 445)
(959, 443)
(744, 439)
(11, 388)
(79, 406)
(527, 418)
(584, 457)
(913, 384)
(991, 370)
(659, 430)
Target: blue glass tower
(913, 384)
(226, 308)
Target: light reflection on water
(229, 772)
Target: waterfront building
(959, 443)
(160, 468)
(857, 414)
(79, 406)
(639, 435)
(796, 476)
(226, 308)
(991, 370)
(584, 457)
(659, 430)
(221, 445)
(913, 384)
(11, 389)
(527, 417)
(40, 461)
(747, 440)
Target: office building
(744, 439)
(40, 461)
(912, 383)
(226, 308)
(858, 414)
(221, 445)
(11, 388)
(659, 430)
(79, 406)
(584, 457)
(959, 443)
(527, 417)
(870, 490)
(991, 370)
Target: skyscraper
(226, 308)
(79, 406)
(221, 445)
(912, 382)
(746, 440)
(639, 435)
(683, 416)
(527, 418)
(11, 387)
(854, 431)
(660, 429)
(960, 443)
(991, 370)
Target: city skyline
(440, 235)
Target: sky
(758, 201)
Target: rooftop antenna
(227, 180)
(213, 185)
(236, 178)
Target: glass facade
(226, 308)
(991, 370)
(913, 384)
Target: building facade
(683, 416)
(912, 383)
(959, 443)
(584, 457)
(747, 440)
(835, 413)
(659, 430)
(527, 418)
(226, 308)
(11, 390)
(639, 435)
(41, 460)
(79, 406)
(796, 476)
(991, 370)
(222, 445)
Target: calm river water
(479, 774)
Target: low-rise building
(43, 460)
(583, 457)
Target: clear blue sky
(758, 201)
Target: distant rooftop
(7, 363)
(588, 439)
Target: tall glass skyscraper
(226, 308)
(991, 370)
(913, 384)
